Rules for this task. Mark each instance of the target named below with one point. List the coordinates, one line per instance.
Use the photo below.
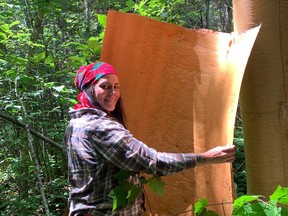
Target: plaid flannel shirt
(98, 147)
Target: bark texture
(180, 90)
(264, 92)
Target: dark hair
(118, 113)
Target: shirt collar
(83, 111)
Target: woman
(99, 146)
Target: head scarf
(86, 76)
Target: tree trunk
(207, 14)
(23, 182)
(264, 94)
(34, 155)
(35, 133)
(87, 17)
(229, 26)
(180, 93)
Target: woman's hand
(219, 154)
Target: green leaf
(211, 213)
(38, 57)
(25, 78)
(49, 84)
(3, 35)
(130, 4)
(257, 209)
(19, 60)
(271, 211)
(82, 47)
(14, 23)
(93, 43)
(284, 212)
(200, 205)
(77, 59)
(133, 193)
(59, 88)
(241, 211)
(123, 175)
(248, 209)
(5, 28)
(119, 195)
(101, 35)
(143, 180)
(102, 19)
(142, 3)
(156, 184)
(73, 101)
(280, 195)
(244, 199)
(124, 10)
(49, 60)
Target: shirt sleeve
(118, 146)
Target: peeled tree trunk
(263, 95)
(180, 91)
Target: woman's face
(107, 91)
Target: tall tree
(42, 44)
(207, 14)
(264, 94)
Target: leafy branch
(129, 189)
(35, 133)
(251, 205)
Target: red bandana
(86, 76)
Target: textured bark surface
(264, 94)
(180, 90)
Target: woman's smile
(107, 91)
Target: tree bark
(229, 26)
(207, 14)
(190, 92)
(87, 16)
(34, 156)
(264, 93)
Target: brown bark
(180, 91)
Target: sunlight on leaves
(102, 19)
(280, 195)
(93, 44)
(200, 205)
(244, 199)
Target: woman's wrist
(200, 158)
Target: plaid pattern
(97, 148)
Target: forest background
(42, 44)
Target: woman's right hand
(219, 154)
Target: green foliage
(128, 190)
(102, 19)
(156, 184)
(201, 210)
(280, 195)
(42, 44)
(251, 205)
(239, 169)
(19, 173)
(157, 9)
(200, 206)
